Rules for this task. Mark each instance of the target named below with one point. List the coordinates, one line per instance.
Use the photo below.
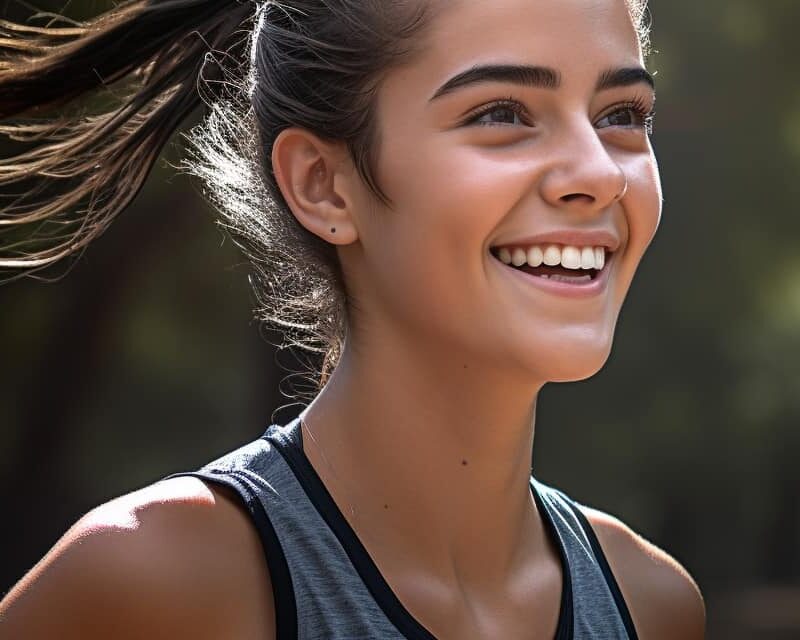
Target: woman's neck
(431, 463)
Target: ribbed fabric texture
(328, 588)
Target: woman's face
(519, 127)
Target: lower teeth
(569, 279)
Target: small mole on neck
(464, 463)
(386, 506)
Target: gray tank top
(327, 587)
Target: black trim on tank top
(282, 589)
(289, 443)
(565, 629)
(613, 586)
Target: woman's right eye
(505, 113)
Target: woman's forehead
(560, 34)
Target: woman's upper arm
(173, 560)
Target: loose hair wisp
(92, 105)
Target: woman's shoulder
(663, 598)
(175, 558)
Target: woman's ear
(315, 177)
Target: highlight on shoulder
(174, 559)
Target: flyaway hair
(140, 69)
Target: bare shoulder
(663, 598)
(174, 559)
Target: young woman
(452, 197)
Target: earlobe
(307, 170)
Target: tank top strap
(234, 471)
(599, 609)
(318, 593)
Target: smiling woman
(449, 200)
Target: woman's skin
(423, 434)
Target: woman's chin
(575, 376)
(573, 365)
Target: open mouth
(560, 263)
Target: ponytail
(139, 63)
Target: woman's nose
(582, 174)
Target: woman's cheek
(646, 203)
(642, 214)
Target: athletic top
(327, 587)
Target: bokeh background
(144, 359)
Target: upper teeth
(553, 255)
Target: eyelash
(638, 106)
(640, 110)
(507, 103)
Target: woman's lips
(582, 289)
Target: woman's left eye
(629, 116)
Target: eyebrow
(525, 75)
(624, 77)
(539, 77)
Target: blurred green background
(144, 359)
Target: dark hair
(262, 67)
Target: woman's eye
(628, 117)
(499, 114)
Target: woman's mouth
(555, 266)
